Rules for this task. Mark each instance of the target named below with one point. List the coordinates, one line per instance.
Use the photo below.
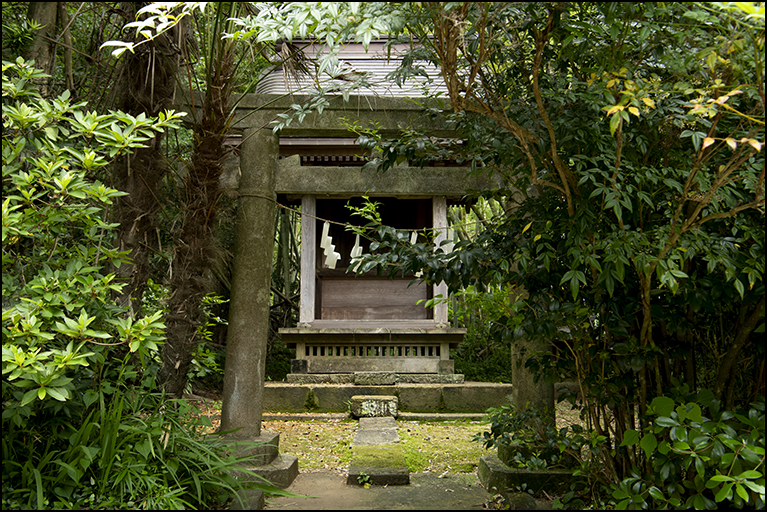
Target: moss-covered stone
(380, 465)
(382, 456)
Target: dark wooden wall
(344, 296)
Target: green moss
(381, 456)
(311, 402)
(441, 407)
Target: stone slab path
(377, 456)
(427, 491)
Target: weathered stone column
(524, 390)
(249, 306)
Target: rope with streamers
(348, 225)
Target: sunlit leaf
(528, 226)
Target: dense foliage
(83, 419)
(630, 140)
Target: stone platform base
(280, 472)
(474, 397)
(265, 463)
(374, 378)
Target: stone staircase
(377, 457)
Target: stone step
(367, 406)
(377, 456)
(441, 416)
(280, 472)
(374, 378)
(376, 431)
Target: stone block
(375, 378)
(430, 378)
(446, 367)
(376, 431)
(285, 398)
(375, 437)
(366, 406)
(477, 397)
(373, 364)
(376, 423)
(496, 476)
(299, 366)
(519, 500)
(378, 465)
(262, 449)
(526, 390)
(248, 499)
(419, 397)
(280, 472)
(338, 397)
(320, 378)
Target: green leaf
(665, 470)
(630, 437)
(28, 397)
(739, 287)
(664, 421)
(648, 443)
(60, 394)
(724, 493)
(574, 287)
(662, 405)
(615, 121)
(754, 486)
(528, 226)
(619, 494)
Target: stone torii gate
(263, 177)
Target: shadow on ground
(457, 491)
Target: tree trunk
(740, 341)
(147, 87)
(196, 249)
(42, 49)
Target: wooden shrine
(352, 323)
(349, 323)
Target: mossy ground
(435, 446)
(325, 445)
(441, 446)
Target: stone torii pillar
(247, 334)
